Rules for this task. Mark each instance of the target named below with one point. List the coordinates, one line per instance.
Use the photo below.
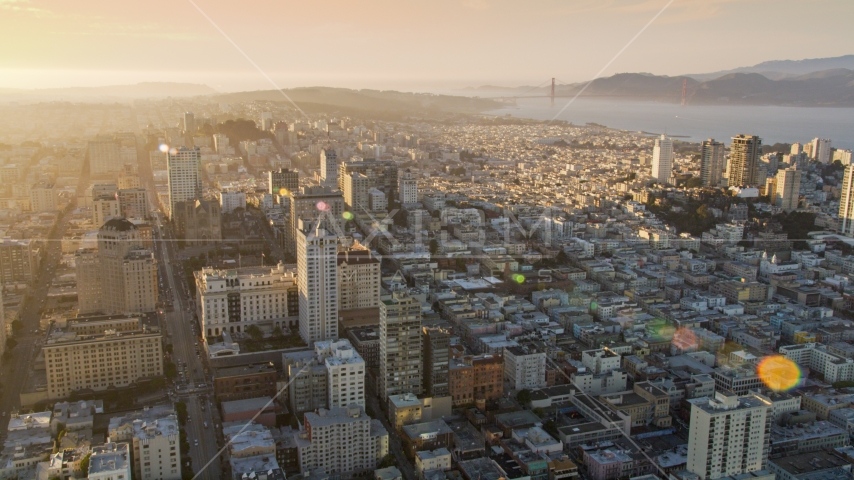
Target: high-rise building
(343, 442)
(820, 150)
(524, 368)
(128, 356)
(104, 208)
(346, 373)
(88, 275)
(43, 197)
(266, 121)
(18, 261)
(407, 188)
(283, 181)
(312, 203)
(846, 203)
(189, 123)
(359, 279)
(400, 345)
(184, 180)
(229, 300)
(382, 174)
(104, 157)
(787, 188)
(473, 378)
(329, 167)
(729, 435)
(796, 149)
(743, 160)
(712, 162)
(133, 203)
(356, 186)
(128, 271)
(2, 325)
(317, 277)
(154, 438)
(662, 159)
(435, 342)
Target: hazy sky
(402, 44)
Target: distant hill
(780, 69)
(346, 101)
(111, 92)
(828, 88)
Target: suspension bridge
(552, 95)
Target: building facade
(317, 276)
(185, 183)
(400, 346)
(712, 162)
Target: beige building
(133, 203)
(400, 345)
(128, 271)
(18, 261)
(729, 435)
(356, 186)
(154, 439)
(97, 362)
(104, 157)
(88, 273)
(311, 203)
(104, 208)
(317, 277)
(43, 197)
(358, 279)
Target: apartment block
(154, 442)
(400, 345)
(358, 279)
(524, 369)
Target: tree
(434, 246)
(181, 410)
(388, 461)
(170, 370)
(254, 332)
(539, 412)
(524, 396)
(84, 464)
(550, 428)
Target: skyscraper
(711, 162)
(407, 187)
(743, 155)
(356, 186)
(662, 159)
(184, 180)
(435, 342)
(329, 167)
(189, 123)
(400, 345)
(821, 150)
(283, 181)
(128, 270)
(311, 203)
(317, 278)
(787, 189)
(846, 203)
(729, 435)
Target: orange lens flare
(779, 373)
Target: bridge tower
(684, 91)
(552, 95)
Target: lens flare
(347, 215)
(164, 148)
(518, 278)
(779, 373)
(322, 206)
(173, 151)
(685, 339)
(283, 191)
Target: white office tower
(821, 150)
(317, 278)
(729, 435)
(846, 203)
(662, 159)
(189, 123)
(346, 370)
(407, 188)
(184, 180)
(788, 189)
(329, 167)
(343, 442)
(712, 162)
(400, 345)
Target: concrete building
(71, 363)
(435, 343)
(329, 167)
(317, 276)
(475, 378)
(105, 208)
(308, 382)
(846, 203)
(358, 279)
(257, 409)
(231, 201)
(346, 373)
(356, 186)
(133, 203)
(18, 261)
(110, 461)
(820, 150)
(377, 200)
(788, 187)
(310, 204)
(43, 197)
(245, 381)
(184, 177)
(742, 169)
(400, 345)
(104, 157)
(404, 409)
(154, 442)
(198, 222)
(231, 300)
(662, 159)
(729, 435)
(128, 270)
(600, 360)
(407, 188)
(341, 441)
(524, 369)
(712, 162)
(283, 181)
